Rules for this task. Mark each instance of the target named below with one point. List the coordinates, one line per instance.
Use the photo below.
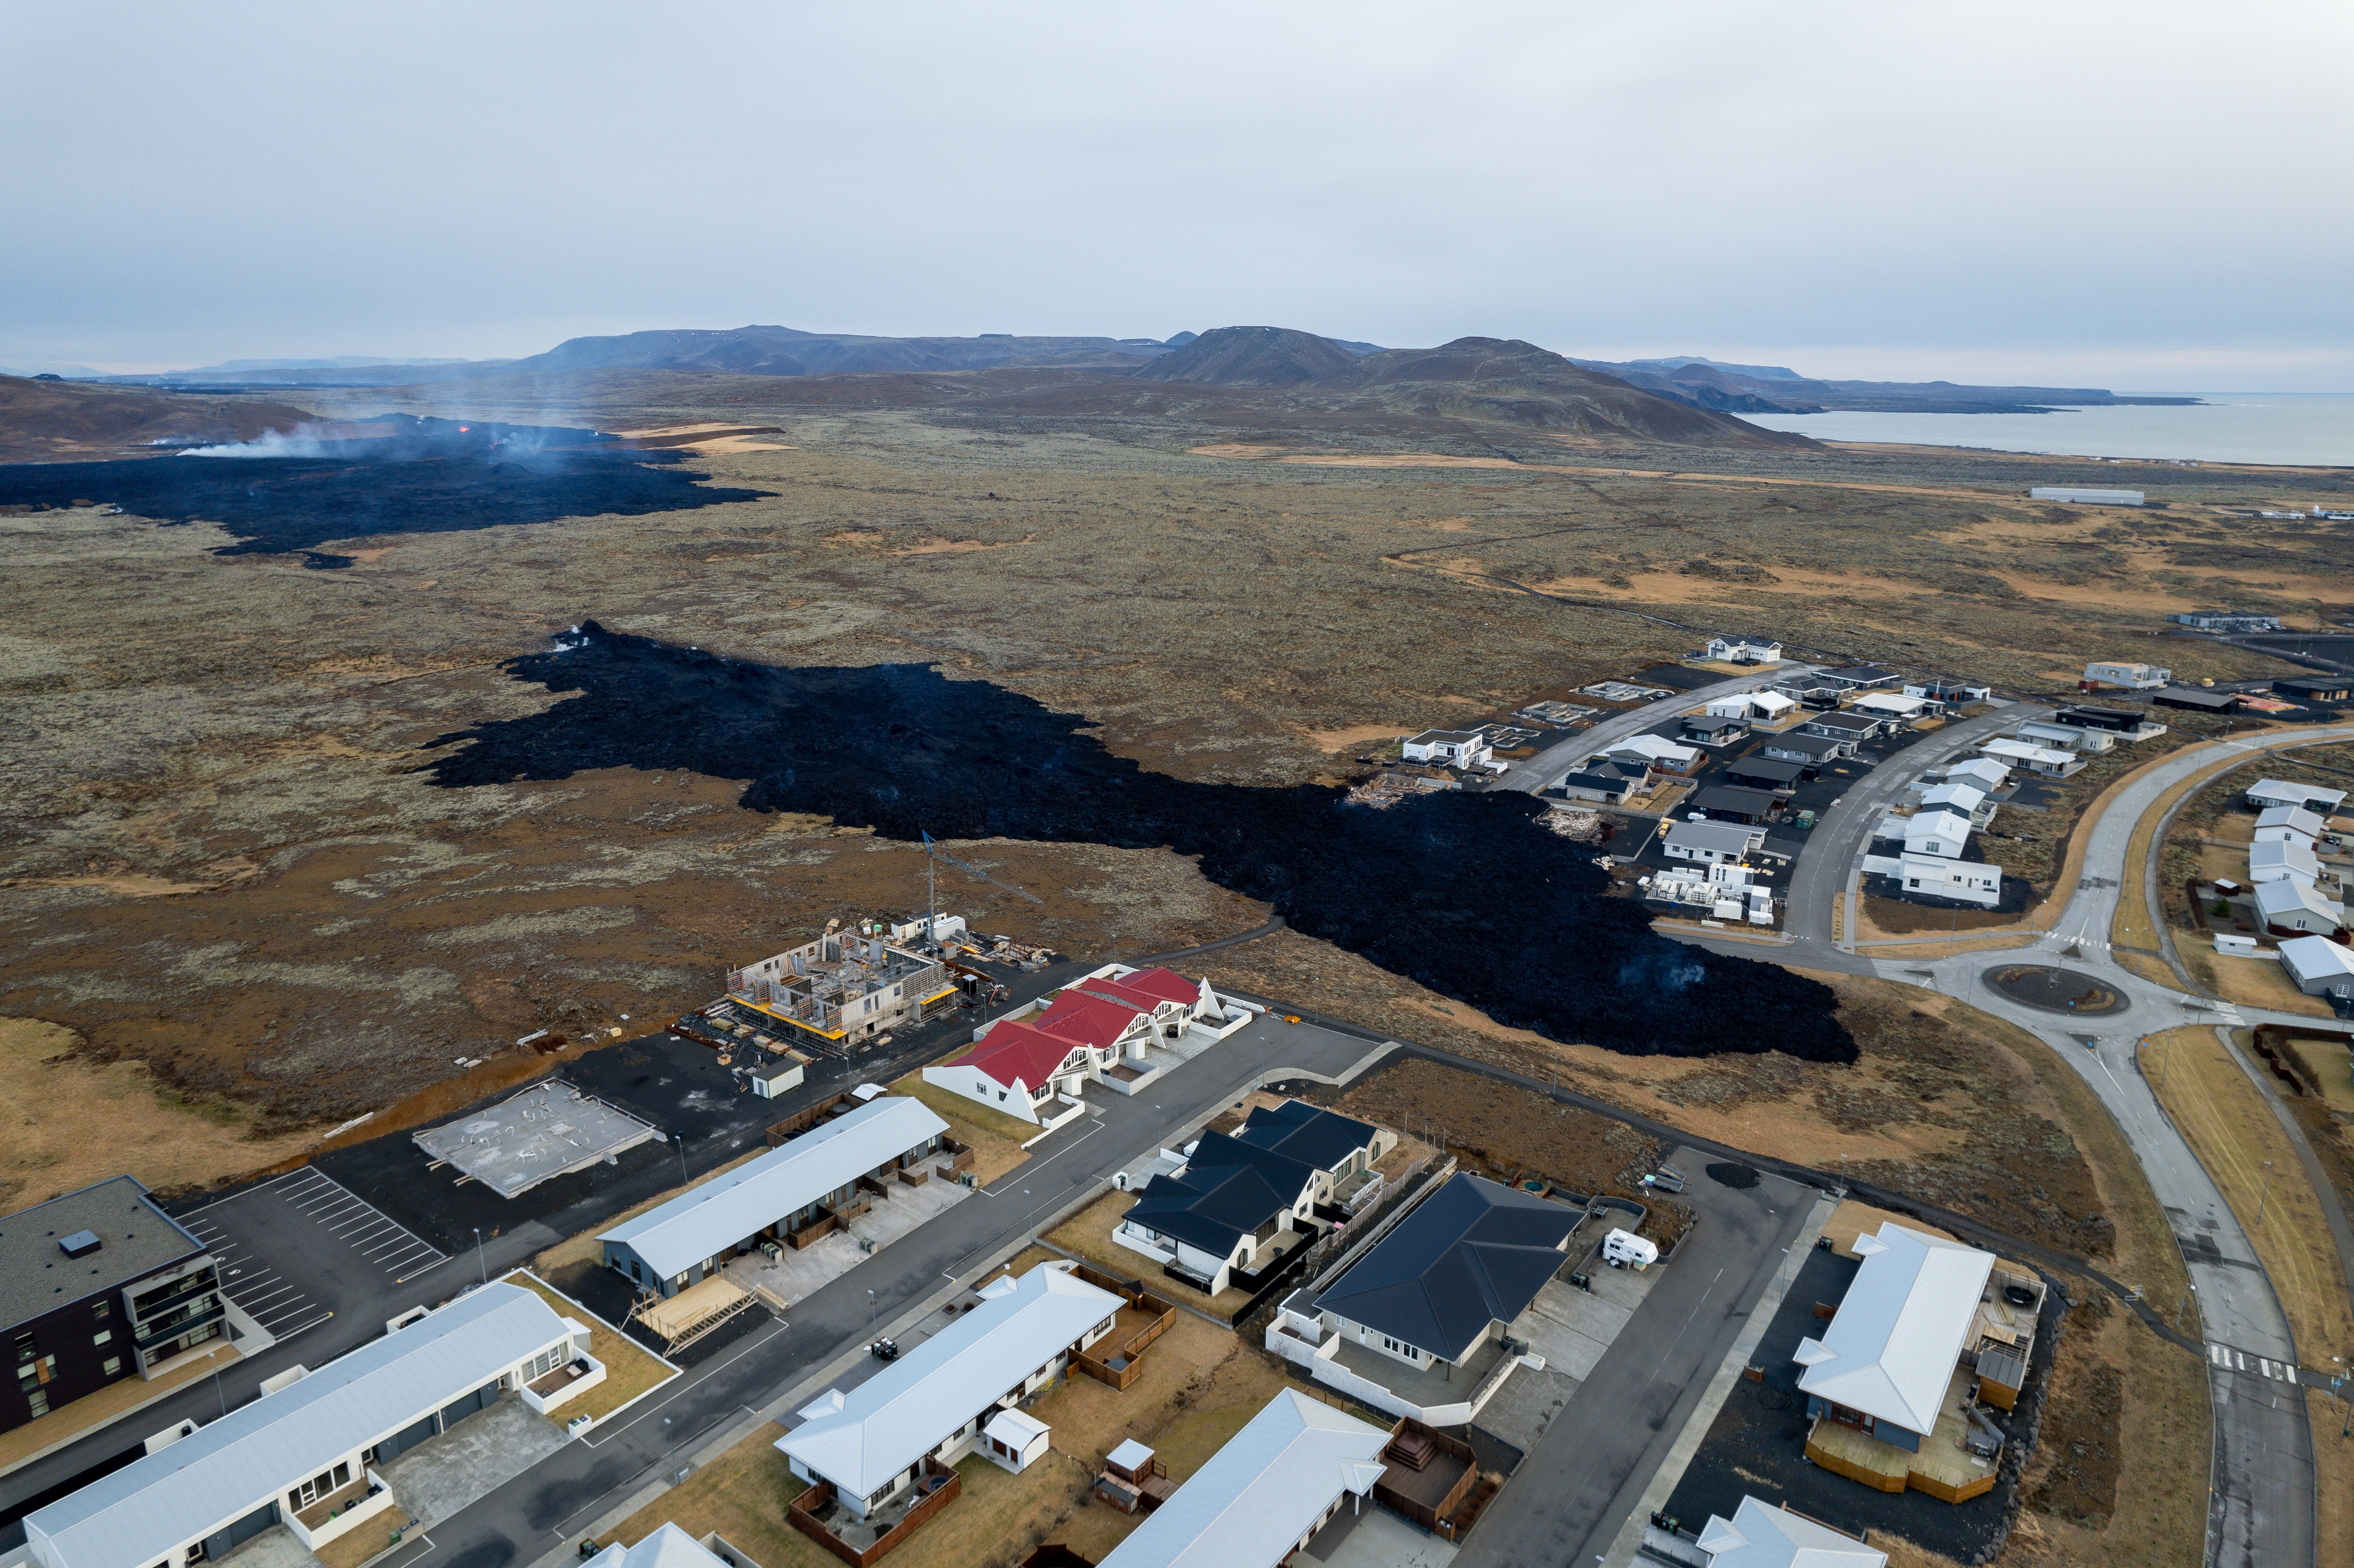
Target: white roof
(667, 1547)
(138, 1514)
(2024, 752)
(1653, 747)
(1757, 1536)
(2283, 894)
(1938, 824)
(1129, 1455)
(2281, 790)
(1962, 798)
(1250, 1504)
(1889, 703)
(1979, 768)
(2296, 819)
(1014, 1429)
(709, 1218)
(1772, 702)
(2269, 860)
(1891, 1348)
(1726, 838)
(2317, 958)
(861, 1439)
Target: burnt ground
(1461, 891)
(429, 477)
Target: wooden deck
(1944, 1468)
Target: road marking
(2230, 1360)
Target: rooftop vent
(82, 1244)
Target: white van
(1625, 1249)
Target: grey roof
(707, 1219)
(1303, 1131)
(1764, 768)
(1473, 1253)
(1845, 723)
(1227, 1189)
(1816, 746)
(136, 1239)
(136, 1516)
(1725, 838)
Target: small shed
(1014, 1439)
(1132, 1461)
(777, 1079)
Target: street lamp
(681, 1139)
(479, 1261)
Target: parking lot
(295, 1250)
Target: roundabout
(2056, 989)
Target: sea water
(2300, 428)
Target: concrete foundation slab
(479, 1454)
(795, 1275)
(1376, 1538)
(1571, 1328)
(273, 1548)
(1519, 1411)
(546, 1130)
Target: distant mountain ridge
(1773, 389)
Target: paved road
(553, 1501)
(1548, 766)
(1586, 1472)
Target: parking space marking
(376, 1235)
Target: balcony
(574, 1378)
(342, 1513)
(155, 1334)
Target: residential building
(2041, 760)
(2122, 722)
(2322, 802)
(1924, 1320)
(1810, 752)
(1744, 651)
(2068, 736)
(1656, 753)
(1944, 689)
(1265, 1493)
(1936, 831)
(1763, 773)
(1761, 1536)
(2315, 688)
(2231, 622)
(933, 1403)
(2133, 676)
(2288, 906)
(1851, 729)
(1979, 772)
(1239, 1202)
(1455, 747)
(2317, 966)
(1968, 800)
(666, 1546)
(2269, 860)
(2290, 824)
(2197, 699)
(1607, 783)
(776, 1196)
(1936, 876)
(1765, 705)
(1725, 803)
(1711, 841)
(1894, 708)
(2082, 497)
(1714, 729)
(1434, 1293)
(1860, 677)
(848, 986)
(101, 1285)
(305, 1453)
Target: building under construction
(852, 985)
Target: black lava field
(433, 476)
(1463, 893)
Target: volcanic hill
(1251, 356)
(71, 421)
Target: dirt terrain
(58, 421)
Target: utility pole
(480, 1263)
(681, 1139)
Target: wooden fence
(804, 1519)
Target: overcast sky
(2152, 196)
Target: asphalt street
(1586, 1472)
(1547, 767)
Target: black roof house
(1305, 1132)
(1474, 1253)
(1227, 1191)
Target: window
(102, 1336)
(112, 1366)
(99, 1310)
(25, 1346)
(547, 1361)
(322, 1485)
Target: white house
(306, 1452)
(1891, 1348)
(1654, 753)
(1937, 833)
(1758, 1536)
(1744, 651)
(1890, 705)
(934, 1402)
(1968, 800)
(2266, 792)
(676, 1244)
(1711, 840)
(2137, 677)
(2289, 824)
(1981, 772)
(2269, 860)
(2319, 965)
(2068, 736)
(667, 1546)
(1766, 706)
(2037, 759)
(1457, 747)
(1015, 1440)
(2289, 905)
(1950, 692)
(1264, 1495)
(1966, 880)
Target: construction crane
(931, 901)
